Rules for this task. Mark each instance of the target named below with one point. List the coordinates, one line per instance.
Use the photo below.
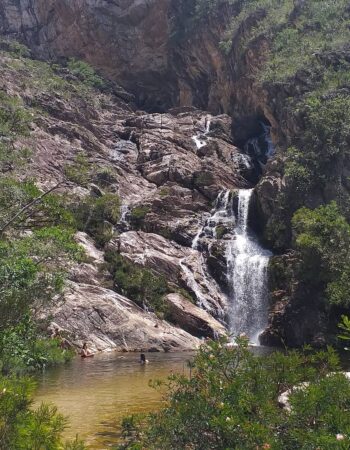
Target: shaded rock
(192, 319)
(296, 316)
(217, 263)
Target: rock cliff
(168, 77)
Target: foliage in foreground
(231, 402)
(25, 428)
(344, 326)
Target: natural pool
(95, 393)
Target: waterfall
(198, 138)
(222, 214)
(123, 220)
(260, 148)
(247, 264)
(247, 274)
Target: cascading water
(247, 273)
(124, 213)
(222, 214)
(200, 138)
(247, 261)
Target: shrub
(80, 171)
(85, 73)
(14, 117)
(139, 284)
(97, 216)
(23, 349)
(22, 427)
(230, 401)
(323, 238)
(344, 326)
(14, 47)
(138, 215)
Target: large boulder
(192, 318)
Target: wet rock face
(296, 316)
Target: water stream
(200, 138)
(247, 265)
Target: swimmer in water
(85, 352)
(143, 359)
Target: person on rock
(85, 353)
(143, 360)
(64, 343)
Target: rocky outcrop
(193, 319)
(292, 319)
(166, 184)
(108, 321)
(125, 40)
(180, 265)
(92, 312)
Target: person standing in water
(143, 359)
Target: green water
(95, 393)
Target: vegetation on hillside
(139, 284)
(230, 401)
(304, 55)
(323, 238)
(37, 246)
(36, 240)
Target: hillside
(262, 85)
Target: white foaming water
(124, 212)
(247, 275)
(222, 214)
(247, 264)
(199, 141)
(194, 286)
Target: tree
(25, 428)
(322, 237)
(231, 402)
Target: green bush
(323, 238)
(15, 48)
(85, 73)
(79, 171)
(14, 117)
(23, 427)
(344, 326)
(139, 284)
(138, 215)
(97, 216)
(230, 401)
(23, 349)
